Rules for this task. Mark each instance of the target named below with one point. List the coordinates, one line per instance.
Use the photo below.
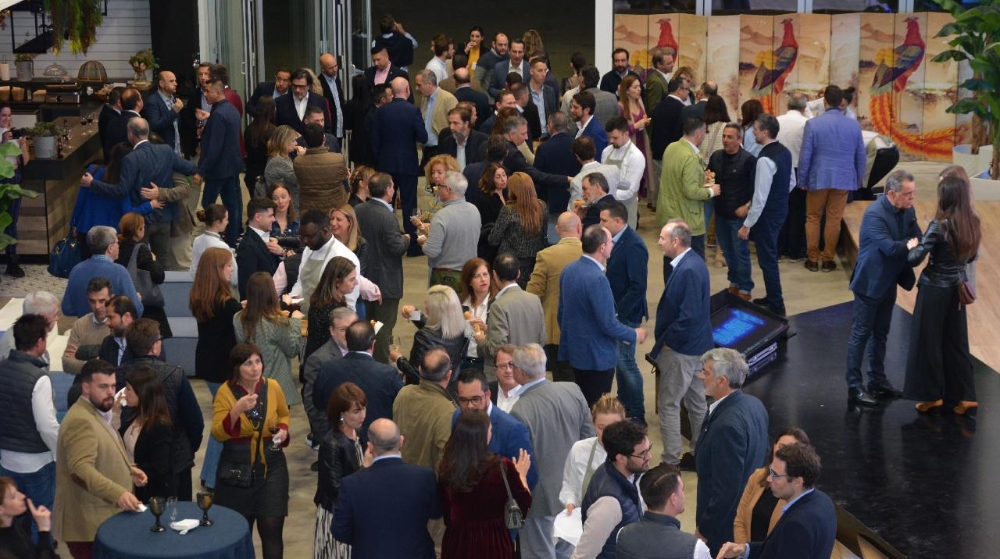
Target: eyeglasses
(774, 475)
(476, 400)
(643, 454)
(504, 365)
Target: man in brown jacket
(93, 475)
(322, 175)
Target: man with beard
(121, 313)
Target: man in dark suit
(275, 89)
(733, 443)
(387, 245)
(121, 314)
(528, 109)
(221, 161)
(596, 191)
(665, 129)
(109, 113)
(543, 97)
(516, 131)
(332, 92)
(488, 60)
(332, 350)
(808, 526)
(509, 436)
(613, 79)
(465, 93)
(697, 109)
(257, 251)
(398, 128)
(555, 156)
(888, 230)
(161, 109)
(382, 71)
(380, 382)
(382, 510)
(191, 118)
(291, 109)
(516, 64)
(582, 110)
(590, 330)
(683, 334)
(473, 148)
(627, 270)
(131, 101)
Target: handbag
(150, 292)
(513, 519)
(65, 254)
(238, 472)
(966, 292)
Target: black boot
(13, 270)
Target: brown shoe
(744, 296)
(812, 266)
(733, 289)
(965, 406)
(829, 265)
(925, 407)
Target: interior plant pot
(45, 147)
(25, 70)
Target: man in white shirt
(36, 302)
(443, 48)
(631, 163)
(321, 247)
(792, 239)
(585, 152)
(507, 388)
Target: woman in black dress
(149, 436)
(132, 228)
(938, 368)
(493, 184)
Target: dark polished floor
(925, 483)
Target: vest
(658, 536)
(777, 199)
(737, 188)
(170, 377)
(609, 482)
(20, 373)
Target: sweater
(84, 332)
(275, 415)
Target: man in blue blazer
(286, 106)
(504, 67)
(398, 128)
(382, 511)
(808, 525)
(275, 89)
(683, 334)
(888, 229)
(161, 110)
(555, 156)
(509, 435)
(221, 161)
(733, 443)
(582, 109)
(627, 270)
(590, 329)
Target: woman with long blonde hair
(444, 326)
(279, 163)
(522, 225)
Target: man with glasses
(452, 237)
(612, 498)
(505, 390)
(103, 244)
(291, 109)
(509, 436)
(808, 525)
(733, 442)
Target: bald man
(162, 111)
(398, 128)
(330, 80)
(544, 282)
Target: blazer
(656, 89)
(807, 530)
(556, 416)
(732, 444)
(595, 130)
(555, 156)
(328, 95)
(742, 523)
(593, 215)
(394, 72)
(382, 511)
(387, 245)
(118, 131)
(161, 118)
(530, 115)
(147, 163)
(500, 72)
(515, 162)
(544, 282)
(666, 125)
(606, 105)
(882, 253)
(107, 116)
(263, 89)
(109, 352)
(694, 109)
(516, 317)
(398, 128)
(286, 113)
(508, 438)
(682, 187)
(220, 143)
(475, 148)
(683, 317)
(833, 153)
(91, 474)
(252, 256)
(626, 272)
(380, 382)
(444, 102)
(590, 331)
(478, 98)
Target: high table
(126, 535)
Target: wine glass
(394, 345)
(275, 444)
(205, 503)
(156, 505)
(172, 509)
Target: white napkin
(184, 526)
(568, 527)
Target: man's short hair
(600, 180)
(28, 329)
(100, 237)
(122, 305)
(429, 77)
(895, 180)
(520, 91)
(379, 91)
(470, 375)
(141, 335)
(616, 210)
(769, 123)
(459, 60)
(616, 123)
(506, 266)
(577, 60)
(496, 148)
(139, 128)
(440, 43)
(513, 123)
(530, 358)
(378, 184)
(258, 205)
(674, 84)
(456, 182)
(461, 78)
(848, 94)
(617, 51)
(381, 445)
(360, 335)
(302, 73)
(584, 148)
(833, 95)
(463, 113)
(95, 367)
(130, 99)
(314, 110)
(728, 363)
(800, 461)
(40, 302)
(658, 484)
(692, 124)
(797, 102)
(680, 231)
(559, 122)
(591, 76)
(586, 101)
(218, 73)
(115, 96)
(593, 238)
(436, 364)
(97, 284)
(314, 135)
(621, 437)
(735, 126)
(315, 217)
(340, 313)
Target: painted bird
(894, 66)
(667, 42)
(773, 68)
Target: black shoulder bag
(513, 519)
(234, 469)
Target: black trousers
(594, 384)
(938, 365)
(792, 238)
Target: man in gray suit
(386, 246)
(606, 103)
(556, 415)
(333, 349)
(516, 316)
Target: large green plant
(9, 192)
(976, 33)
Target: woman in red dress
(472, 492)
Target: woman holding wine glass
(337, 282)
(475, 290)
(253, 476)
(149, 436)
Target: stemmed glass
(156, 505)
(205, 503)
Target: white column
(604, 34)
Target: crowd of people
(535, 268)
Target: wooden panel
(692, 35)
(939, 89)
(756, 44)
(723, 36)
(630, 34)
(812, 71)
(845, 53)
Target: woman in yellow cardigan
(759, 510)
(250, 418)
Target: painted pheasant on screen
(773, 68)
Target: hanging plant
(75, 20)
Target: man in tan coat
(322, 175)
(435, 103)
(93, 475)
(544, 282)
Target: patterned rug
(36, 278)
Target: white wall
(124, 32)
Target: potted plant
(77, 21)
(976, 32)
(9, 192)
(44, 134)
(140, 62)
(25, 64)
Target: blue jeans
(765, 236)
(232, 199)
(213, 451)
(869, 330)
(709, 210)
(39, 486)
(630, 379)
(736, 251)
